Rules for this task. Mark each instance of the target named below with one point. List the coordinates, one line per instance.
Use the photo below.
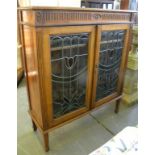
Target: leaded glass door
(71, 52)
(111, 51)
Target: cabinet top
(71, 8)
(52, 16)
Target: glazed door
(69, 53)
(110, 58)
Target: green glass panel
(69, 57)
(110, 54)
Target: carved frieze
(56, 17)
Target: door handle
(96, 65)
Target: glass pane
(109, 62)
(69, 56)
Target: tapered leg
(34, 126)
(117, 106)
(46, 141)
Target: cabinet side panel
(32, 73)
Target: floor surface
(79, 137)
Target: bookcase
(74, 61)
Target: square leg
(46, 141)
(117, 106)
(34, 126)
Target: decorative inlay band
(60, 17)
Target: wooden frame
(36, 24)
(124, 4)
(122, 66)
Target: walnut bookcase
(74, 61)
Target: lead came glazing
(109, 62)
(69, 54)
